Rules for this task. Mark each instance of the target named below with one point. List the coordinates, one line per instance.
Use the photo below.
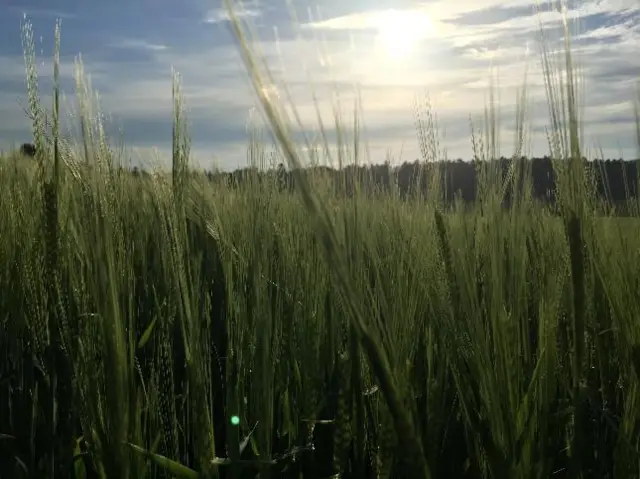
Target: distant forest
(614, 181)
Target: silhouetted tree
(28, 149)
(613, 182)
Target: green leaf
(147, 333)
(172, 467)
(79, 468)
(245, 441)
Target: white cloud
(137, 44)
(220, 15)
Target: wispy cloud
(136, 44)
(220, 15)
(374, 20)
(41, 12)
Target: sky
(398, 57)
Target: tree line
(614, 181)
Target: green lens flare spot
(235, 420)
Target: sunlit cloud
(397, 33)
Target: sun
(400, 32)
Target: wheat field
(167, 327)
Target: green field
(168, 327)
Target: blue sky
(442, 48)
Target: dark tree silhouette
(613, 181)
(28, 149)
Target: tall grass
(161, 326)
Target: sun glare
(399, 33)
